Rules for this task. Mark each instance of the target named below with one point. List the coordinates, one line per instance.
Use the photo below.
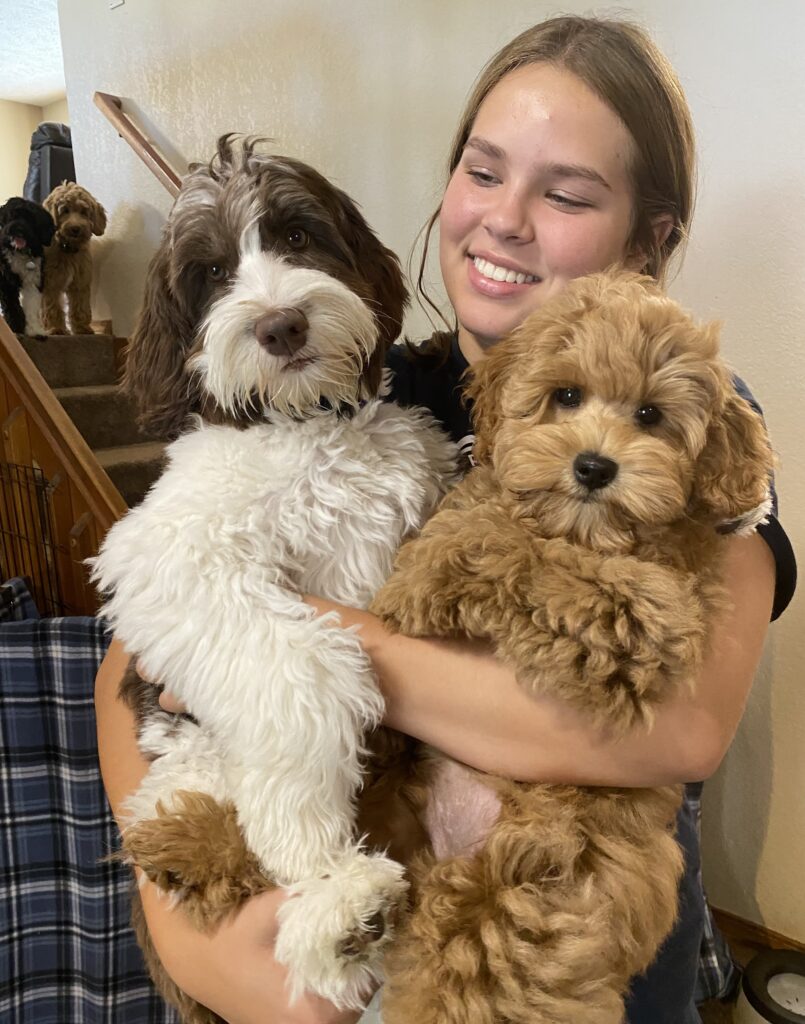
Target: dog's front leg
(32, 307)
(52, 312)
(10, 306)
(612, 635)
(78, 303)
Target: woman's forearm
(457, 697)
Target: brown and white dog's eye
(648, 415)
(297, 238)
(216, 272)
(568, 398)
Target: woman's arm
(457, 697)
(232, 971)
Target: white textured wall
(17, 123)
(369, 92)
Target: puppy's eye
(216, 272)
(648, 415)
(568, 398)
(297, 238)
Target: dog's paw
(333, 930)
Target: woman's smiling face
(542, 194)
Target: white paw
(333, 930)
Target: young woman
(575, 152)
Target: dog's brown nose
(594, 471)
(282, 332)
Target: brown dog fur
(68, 260)
(601, 598)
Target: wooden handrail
(36, 433)
(112, 108)
(103, 498)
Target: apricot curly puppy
(68, 259)
(586, 547)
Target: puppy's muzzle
(283, 332)
(594, 471)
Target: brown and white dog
(268, 308)
(586, 548)
(68, 259)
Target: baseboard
(737, 930)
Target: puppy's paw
(333, 930)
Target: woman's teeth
(487, 269)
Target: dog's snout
(283, 331)
(594, 471)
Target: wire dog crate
(27, 535)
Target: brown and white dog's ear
(97, 216)
(155, 374)
(380, 268)
(734, 470)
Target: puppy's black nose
(73, 231)
(282, 332)
(594, 471)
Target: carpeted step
(133, 468)
(103, 414)
(68, 361)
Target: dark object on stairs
(50, 161)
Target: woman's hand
(233, 971)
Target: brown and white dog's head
(269, 291)
(77, 216)
(610, 410)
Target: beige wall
(17, 123)
(369, 92)
(56, 111)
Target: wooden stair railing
(47, 537)
(112, 108)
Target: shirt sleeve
(773, 533)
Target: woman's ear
(661, 226)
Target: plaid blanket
(67, 952)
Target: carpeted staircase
(83, 371)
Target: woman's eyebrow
(485, 146)
(577, 171)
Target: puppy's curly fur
(585, 546)
(68, 260)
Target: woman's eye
(298, 239)
(483, 177)
(568, 398)
(216, 272)
(563, 200)
(648, 415)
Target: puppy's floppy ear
(380, 267)
(733, 472)
(155, 375)
(44, 224)
(487, 379)
(52, 201)
(97, 216)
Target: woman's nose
(507, 217)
